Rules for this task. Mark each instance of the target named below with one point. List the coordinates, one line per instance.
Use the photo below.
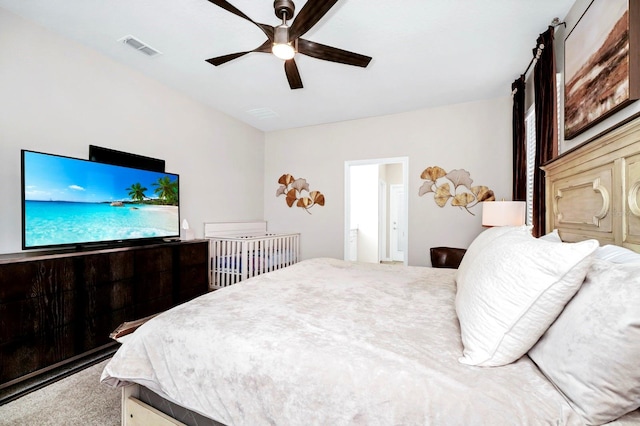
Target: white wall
(58, 96)
(473, 136)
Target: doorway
(376, 211)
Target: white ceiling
(426, 53)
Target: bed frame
(141, 407)
(592, 191)
(137, 413)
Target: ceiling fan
(285, 41)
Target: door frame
(404, 161)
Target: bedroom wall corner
(473, 136)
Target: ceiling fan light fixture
(283, 51)
(282, 47)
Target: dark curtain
(519, 189)
(544, 81)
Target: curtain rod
(554, 23)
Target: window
(530, 137)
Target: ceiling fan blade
(308, 16)
(226, 58)
(267, 29)
(219, 60)
(291, 69)
(230, 8)
(333, 54)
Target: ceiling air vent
(139, 45)
(262, 113)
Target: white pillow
(552, 236)
(617, 254)
(481, 241)
(512, 291)
(591, 353)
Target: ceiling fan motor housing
(284, 7)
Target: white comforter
(327, 342)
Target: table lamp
(503, 213)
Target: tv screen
(69, 201)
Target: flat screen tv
(74, 202)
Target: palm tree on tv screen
(136, 192)
(166, 190)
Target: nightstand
(446, 257)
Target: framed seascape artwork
(601, 64)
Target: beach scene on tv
(73, 201)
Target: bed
(527, 331)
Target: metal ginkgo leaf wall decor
(438, 181)
(292, 188)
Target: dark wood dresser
(58, 309)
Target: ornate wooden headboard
(593, 191)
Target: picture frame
(601, 64)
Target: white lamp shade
(503, 213)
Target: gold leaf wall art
(465, 196)
(292, 188)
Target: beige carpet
(79, 399)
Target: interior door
(383, 221)
(397, 234)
